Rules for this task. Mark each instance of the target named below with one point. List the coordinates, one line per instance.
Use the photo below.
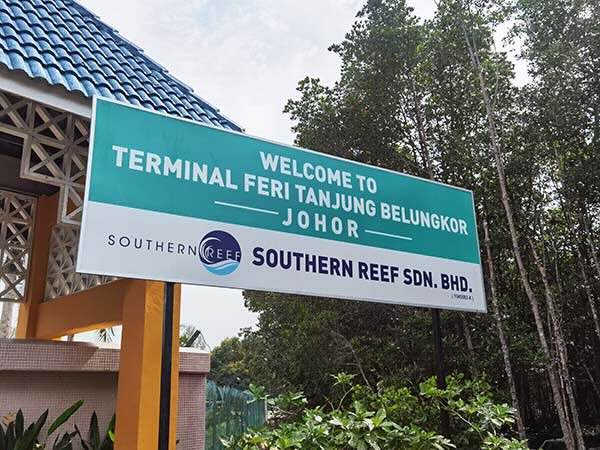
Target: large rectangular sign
(174, 200)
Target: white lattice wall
(55, 147)
(61, 278)
(17, 213)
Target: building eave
(19, 83)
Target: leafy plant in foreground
(14, 435)
(388, 417)
(94, 440)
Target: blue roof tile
(63, 43)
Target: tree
(228, 366)
(190, 336)
(437, 99)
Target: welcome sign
(173, 200)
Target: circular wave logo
(220, 252)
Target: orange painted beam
(138, 392)
(45, 219)
(98, 307)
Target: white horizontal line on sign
(406, 238)
(233, 205)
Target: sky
(245, 57)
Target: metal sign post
(440, 366)
(165, 369)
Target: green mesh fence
(228, 413)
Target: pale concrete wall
(40, 375)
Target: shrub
(94, 440)
(388, 417)
(14, 435)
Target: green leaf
(94, 432)
(10, 437)
(107, 442)
(83, 442)
(25, 441)
(19, 424)
(66, 415)
(30, 435)
(2, 438)
(65, 443)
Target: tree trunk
(561, 349)
(588, 290)
(556, 391)
(581, 262)
(469, 342)
(425, 155)
(592, 381)
(590, 241)
(591, 244)
(596, 263)
(500, 327)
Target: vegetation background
(435, 98)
